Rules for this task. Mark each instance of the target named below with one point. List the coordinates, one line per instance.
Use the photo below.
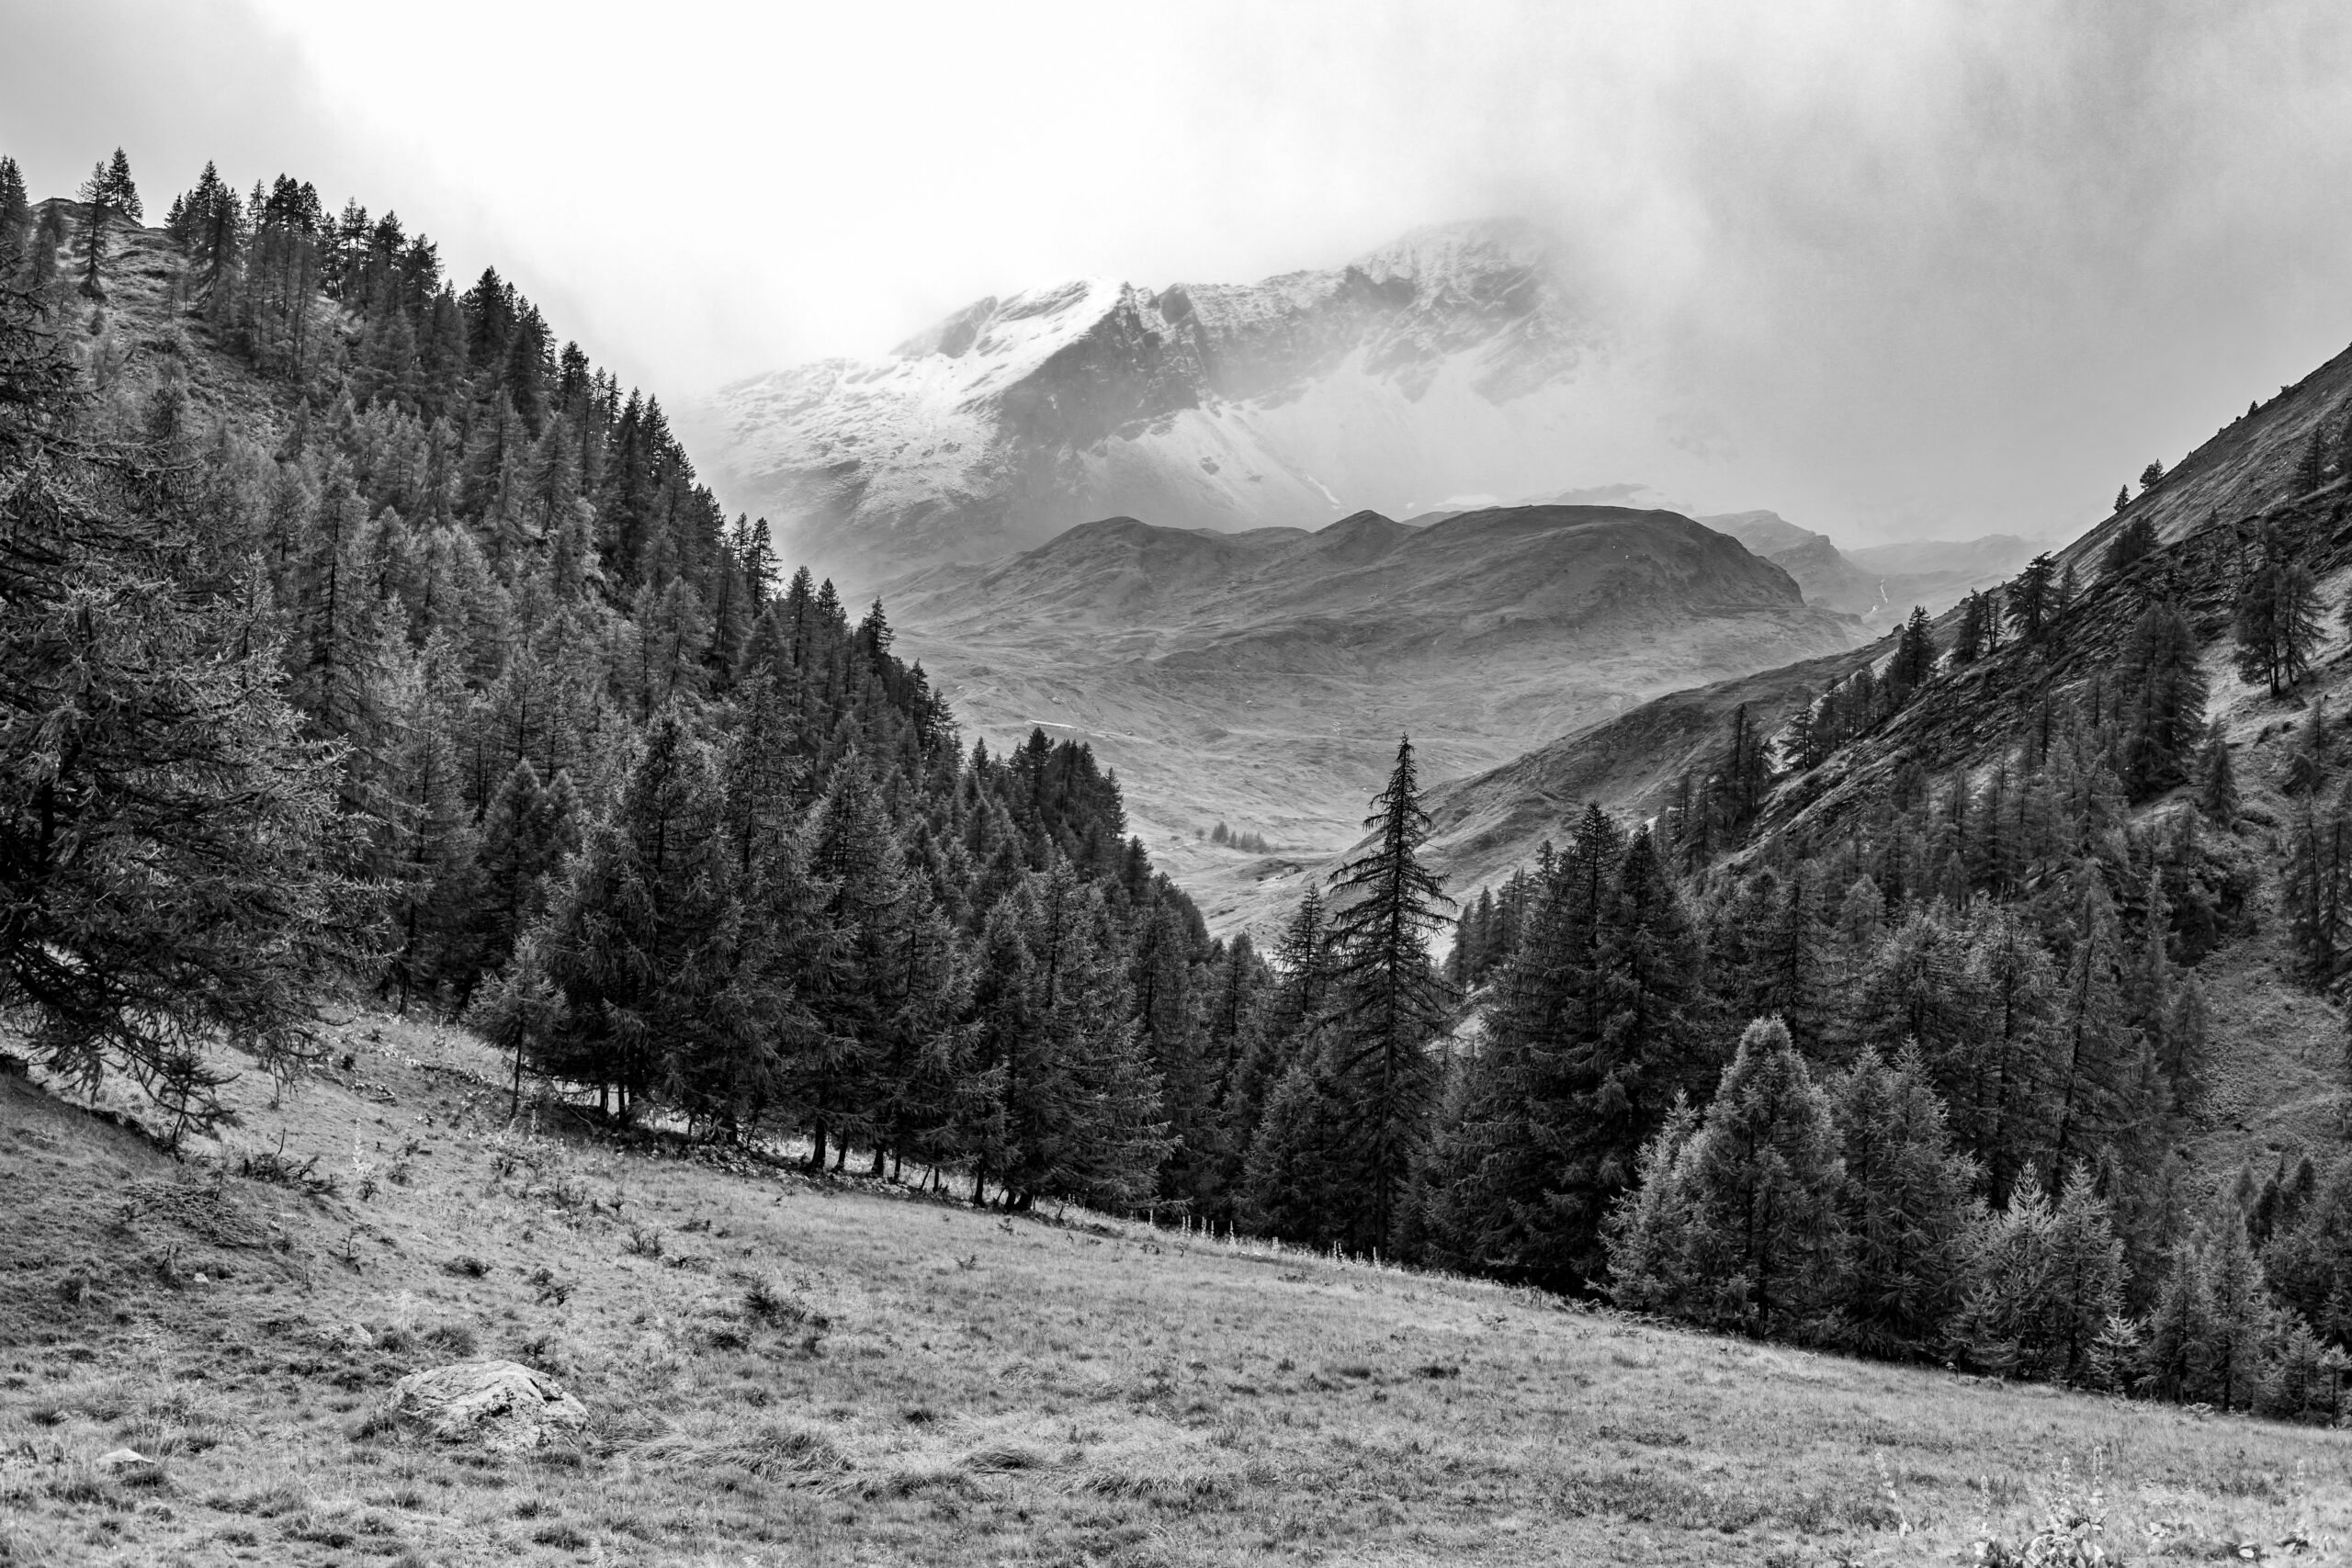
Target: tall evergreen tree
(1745, 1229)
(16, 217)
(2092, 1048)
(2163, 687)
(1915, 654)
(2048, 1288)
(2030, 596)
(166, 837)
(1905, 1202)
(1390, 1004)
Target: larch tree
(1745, 1231)
(167, 837)
(1391, 1005)
(2047, 1288)
(1907, 1211)
(2164, 702)
(2030, 596)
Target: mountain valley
(1877, 583)
(1260, 679)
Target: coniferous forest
(365, 640)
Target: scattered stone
(123, 1458)
(502, 1405)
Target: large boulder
(502, 1405)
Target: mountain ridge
(2203, 513)
(1409, 372)
(1259, 679)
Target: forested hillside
(364, 639)
(1993, 1010)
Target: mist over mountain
(1879, 583)
(1458, 362)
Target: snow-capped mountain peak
(1417, 370)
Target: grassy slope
(990, 1391)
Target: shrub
(775, 1306)
(458, 1338)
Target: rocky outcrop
(501, 1406)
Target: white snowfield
(1453, 361)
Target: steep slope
(1486, 825)
(1260, 679)
(1453, 361)
(1880, 584)
(2206, 510)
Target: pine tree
(119, 191)
(2318, 886)
(2164, 703)
(2310, 469)
(1915, 655)
(2092, 1049)
(1300, 1180)
(1749, 1232)
(428, 860)
(2215, 1325)
(2133, 543)
(2006, 1109)
(1390, 1002)
(528, 830)
(168, 873)
(2277, 621)
(1970, 642)
(2047, 1286)
(1907, 1211)
(640, 948)
(2030, 596)
(1300, 1007)
(1073, 1110)
(95, 242)
(854, 857)
(1745, 773)
(15, 218)
(1518, 1190)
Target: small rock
(502, 1405)
(123, 1458)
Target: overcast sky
(1944, 269)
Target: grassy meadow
(782, 1371)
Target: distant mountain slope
(2246, 476)
(1260, 679)
(1486, 825)
(1452, 361)
(1881, 584)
